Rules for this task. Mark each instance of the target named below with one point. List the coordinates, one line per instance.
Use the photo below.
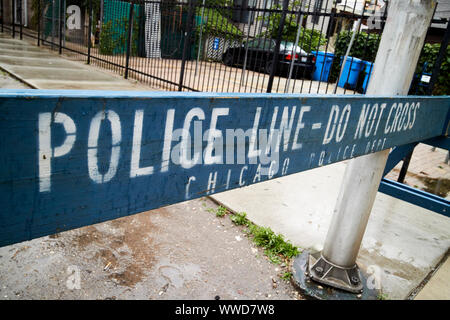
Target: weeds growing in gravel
(220, 212)
(274, 245)
(239, 219)
(276, 248)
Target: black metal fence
(292, 46)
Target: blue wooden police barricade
(74, 158)
(404, 192)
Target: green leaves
(365, 47)
(239, 219)
(275, 247)
(216, 23)
(429, 55)
(107, 41)
(309, 39)
(272, 243)
(221, 211)
(113, 37)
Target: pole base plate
(315, 290)
(323, 271)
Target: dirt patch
(88, 236)
(437, 186)
(108, 258)
(403, 270)
(22, 249)
(130, 277)
(123, 246)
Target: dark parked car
(260, 56)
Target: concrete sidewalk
(43, 69)
(402, 244)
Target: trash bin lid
(349, 58)
(322, 53)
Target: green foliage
(309, 39)
(107, 39)
(226, 12)
(35, 16)
(216, 23)
(239, 218)
(113, 37)
(221, 211)
(286, 276)
(273, 257)
(273, 243)
(429, 54)
(275, 247)
(382, 296)
(365, 47)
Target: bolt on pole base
(311, 288)
(323, 271)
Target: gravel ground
(181, 251)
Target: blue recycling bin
(368, 69)
(351, 71)
(324, 60)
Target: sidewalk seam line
(18, 77)
(415, 292)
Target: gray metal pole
(244, 67)
(13, 17)
(276, 50)
(200, 38)
(294, 48)
(358, 25)
(397, 56)
(53, 22)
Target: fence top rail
(43, 93)
(74, 158)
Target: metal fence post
(187, 40)
(404, 169)
(20, 20)
(13, 21)
(277, 46)
(39, 23)
(89, 32)
(429, 91)
(336, 265)
(129, 40)
(200, 38)
(438, 62)
(53, 23)
(3, 13)
(61, 19)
